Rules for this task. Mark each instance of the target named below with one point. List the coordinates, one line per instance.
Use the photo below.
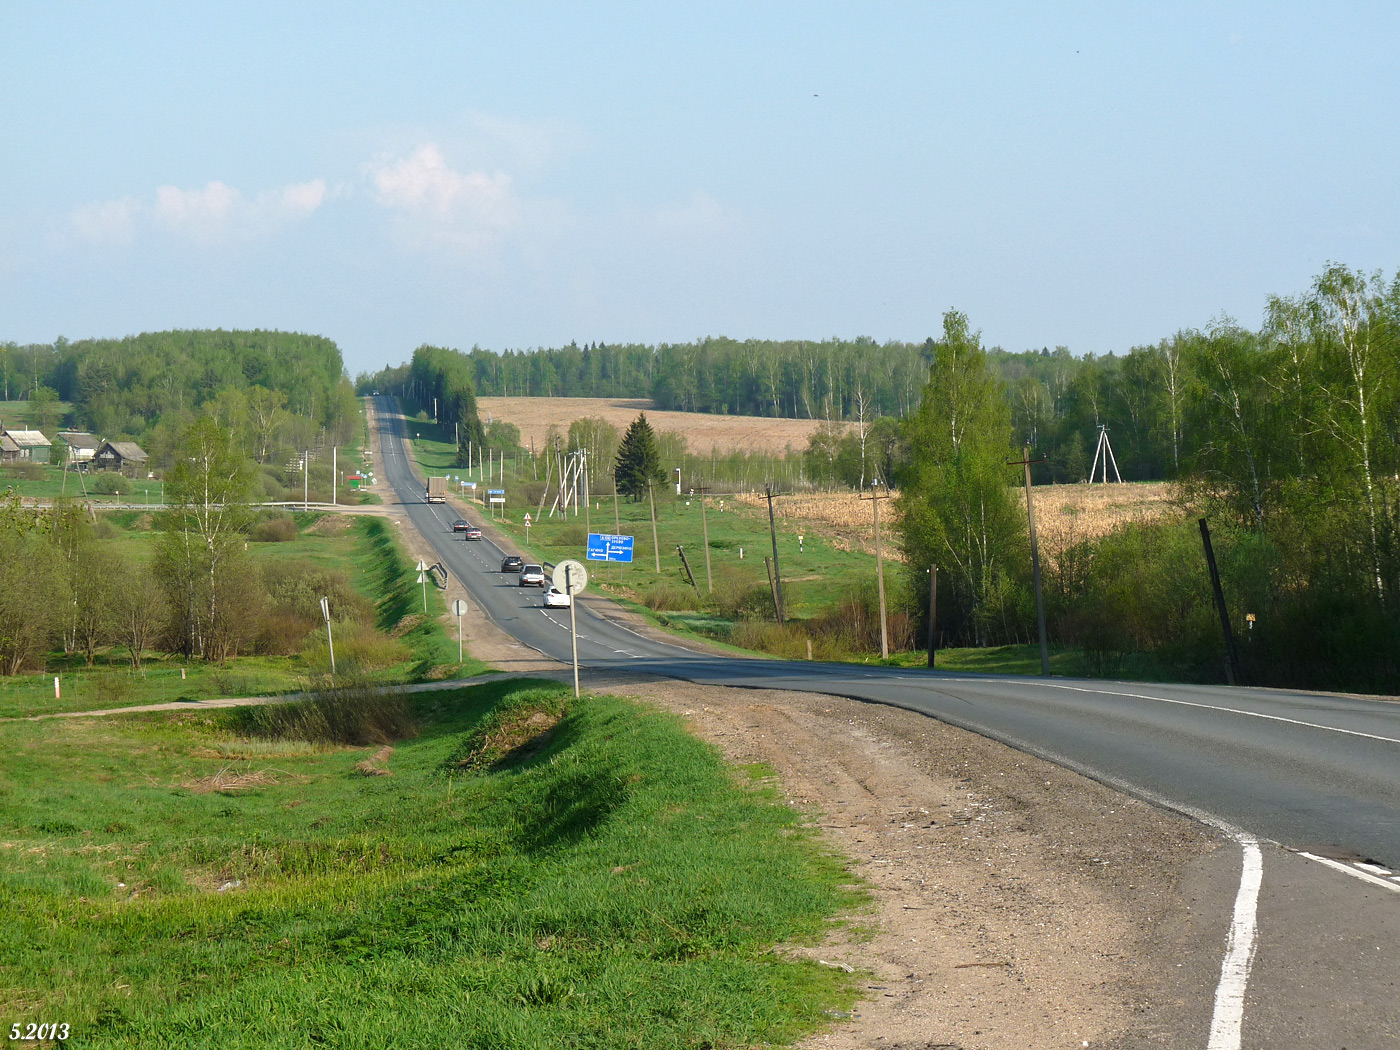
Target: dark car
(512, 563)
(532, 576)
(472, 533)
(461, 525)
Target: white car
(554, 598)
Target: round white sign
(576, 574)
(459, 608)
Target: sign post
(423, 579)
(496, 498)
(330, 642)
(527, 528)
(459, 609)
(571, 577)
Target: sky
(1095, 176)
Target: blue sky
(1095, 176)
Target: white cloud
(436, 203)
(214, 212)
(106, 222)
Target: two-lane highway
(1314, 772)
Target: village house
(126, 457)
(28, 445)
(82, 446)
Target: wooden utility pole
(875, 499)
(772, 586)
(1026, 461)
(705, 531)
(1232, 660)
(655, 544)
(587, 497)
(777, 573)
(686, 565)
(932, 613)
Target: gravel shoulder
(1016, 905)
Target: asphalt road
(1317, 775)
(1309, 771)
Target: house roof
(7, 445)
(80, 439)
(28, 438)
(126, 449)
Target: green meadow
(508, 868)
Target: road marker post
(330, 642)
(423, 579)
(459, 609)
(573, 576)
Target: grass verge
(175, 882)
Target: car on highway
(512, 563)
(461, 525)
(554, 598)
(472, 533)
(532, 576)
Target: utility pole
(334, 468)
(1026, 462)
(875, 499)
(932, 614)
(655, 544)
(705, 530)
(1232, 660)
(777, 573)
(305, 479)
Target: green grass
(1069, 663)
(621, 888)
(367, 551)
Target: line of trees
(1287, 438)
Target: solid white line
(1207, 707)
(1347, 869)
(1239, 955)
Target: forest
(278, 390)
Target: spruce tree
(638, 459)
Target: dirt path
(1017, 905)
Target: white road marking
(1189, 703)
(1347, 869)
(1374, 869)
(1239, 954)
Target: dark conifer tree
(638, 459)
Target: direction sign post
(459, 609)
(571, 577)
(605, 546)
(423, 579)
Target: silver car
(532, 576)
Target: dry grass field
(704, 431)
(1065, 514)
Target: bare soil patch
(703, 430)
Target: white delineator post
(459, 607)
(330, 642)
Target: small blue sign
(495, 492)
(604, 546)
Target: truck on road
(437, 490)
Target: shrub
(669, 596)
(359, 648)
(110, 485)
(734, 598)
(275, 529)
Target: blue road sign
(495, 492)
(604, 546)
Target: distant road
(1314, 772)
